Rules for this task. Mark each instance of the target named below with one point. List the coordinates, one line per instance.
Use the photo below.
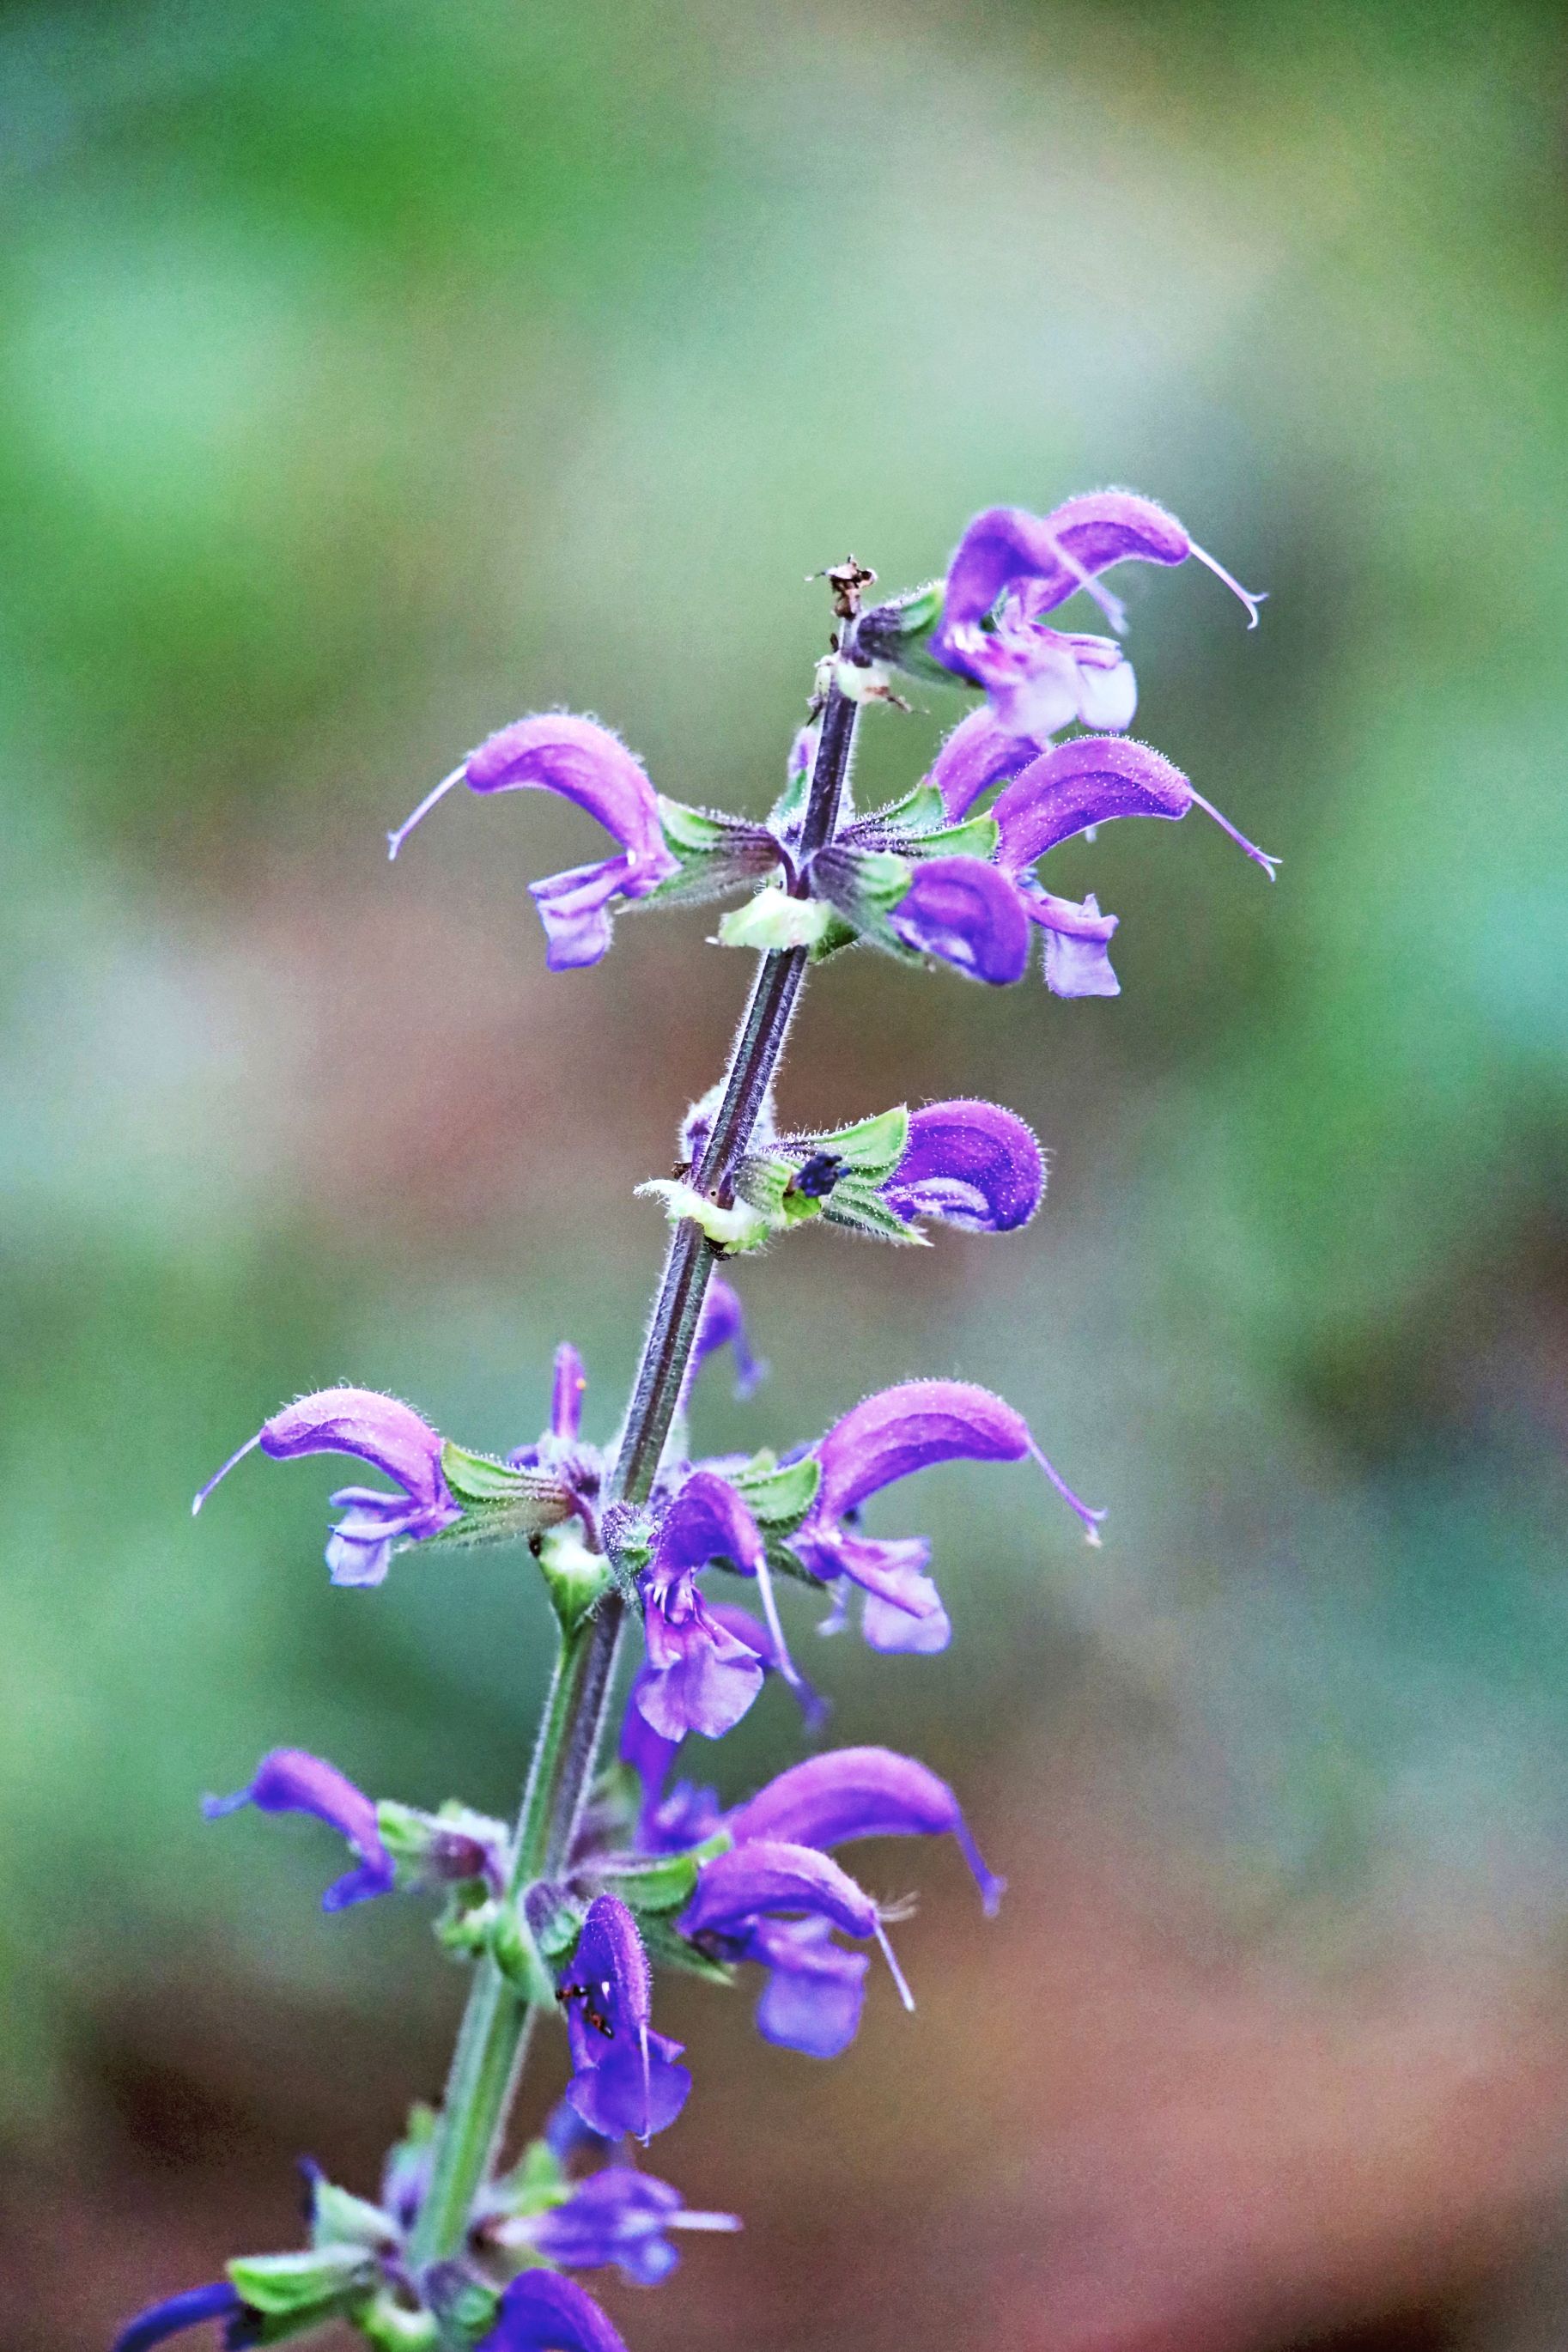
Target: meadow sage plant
(614, 1871)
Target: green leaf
(666, 1949)
(872, 1148)
(338, 2219)
(881, 878)
(664, 1883)
(775, 1497)
(536, 2182)
(693, 832)
(313, 2283)
(390, 2326)
(861, 1208)
(480, 1479)
(977, 837)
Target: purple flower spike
(700, 1676)
(964, 911)
(380, 1431)
(288, 1781)
(971, 1164)
(625, 2078)
(861, 1792)
(566, 1392)
(621, 2216)
(1087, 783)
(177, 2313)
(542, 2313)
(586, 763)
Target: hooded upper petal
(583, 762)
(1055, 554)
(1083, 783)
(907, 1428)
(768, 1875)
(860, 1792)
(291, 1780)
(620, 2215)
(969, 1163)
(542, 2312)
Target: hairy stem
(493, 2041)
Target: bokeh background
(372, 374)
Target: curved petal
(969, 1163)
(1055, 553)
(769, 1876)
(977, 755)
(583, 762)
(967, 913)
(1078, 785)
(723, 1323)
(860, 1792)
(907, 1428)
(625, 2077)
(541, 2312)
(177, 2313)
(291, 1780)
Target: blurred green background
(372, 374)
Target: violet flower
(288, 1781)
(621, 2216)
(890, 1436)
(1010, 567)
(861, 1792)
(625, 2078)
(700, 1676)
(379, 1430)
(541, 2312)
(778, 1904)
(971, 1164)
(177, 2313)
(584, 762)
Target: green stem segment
(492, 2042)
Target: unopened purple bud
(968, 914)
(969, 1163)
